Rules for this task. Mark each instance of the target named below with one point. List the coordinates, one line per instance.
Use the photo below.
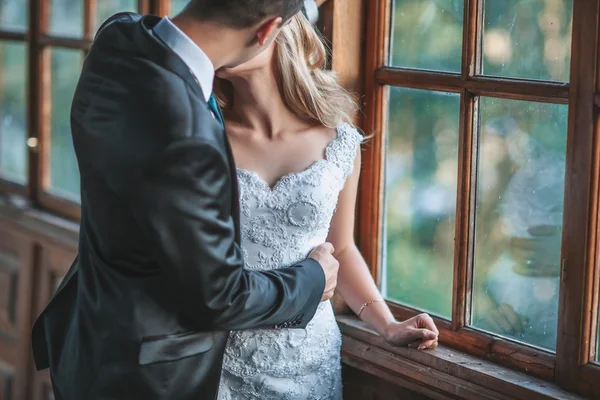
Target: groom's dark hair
(242, 13)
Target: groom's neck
(216, 41)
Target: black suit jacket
(145, 310)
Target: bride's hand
(419, 331)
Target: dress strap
(342, 151)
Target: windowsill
(17, 212)
(439, 373)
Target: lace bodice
(280, 226)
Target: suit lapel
(167, 58)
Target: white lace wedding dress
(280, 226)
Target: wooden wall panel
(16, 259)
(359, 385)
(9, 280)
(6, 381)
(54, 264)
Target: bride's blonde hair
(308, 88)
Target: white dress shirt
(312, 10)
(192, 55)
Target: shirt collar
(192, 55)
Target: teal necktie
(214, 107)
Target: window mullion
(37, 75)
(144, 7)
(581, 203)
(160, 7)
(89, 17)
(370, 199)
(472, 33)
(595, 279)
(463, 245)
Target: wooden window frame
(580, 287)
(570, 367)
(40, 42)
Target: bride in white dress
(289, 124)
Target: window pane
(427, 34)
(66, 18)
(528, 39)
(13, 120)
(420, 198)
(177, 6)
(107, 8)
(13, 15)
(520, 193)
(64, 174)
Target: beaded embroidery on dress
(280, 226)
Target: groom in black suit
(145, 310)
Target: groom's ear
(267, 29)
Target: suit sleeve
(182, 204)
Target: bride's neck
(258, 103)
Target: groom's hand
(323, 254)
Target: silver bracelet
(368, 303)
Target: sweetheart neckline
(283, 179)
(286, 177)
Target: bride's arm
(356, 284)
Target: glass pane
(427, 34)
(520, 193)
(528, 39)
(64, 173)
(13, 15)
(107, 8)
(13, 117)
(420, 198)
(177, 6)
(66, 18)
